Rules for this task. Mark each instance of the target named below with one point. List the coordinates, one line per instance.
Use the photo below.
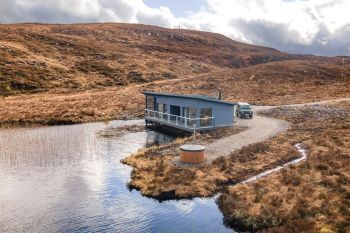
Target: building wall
(223, 113)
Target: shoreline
(155, 175)
(26, 125)
(131, 114)
(171, 195)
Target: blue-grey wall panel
(223, 113)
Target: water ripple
(65, 179)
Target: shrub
(136, 76)
(290, 177)
(221, 162)
(259, 193)
(160, 167)
(327, 182)
(249, 153)
(321, 167)
(168, 75)
(342, 179)
(276, 201)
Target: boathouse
(188, 112)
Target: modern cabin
(188, 112)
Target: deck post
(146, 102)
(194, 134)
(185, 122)
(177, 120)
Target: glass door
(206, 115)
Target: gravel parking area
(258, 129)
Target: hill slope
(58, 74)
(37, 58)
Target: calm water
(66, 179)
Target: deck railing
(190, 123)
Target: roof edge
(198, 97)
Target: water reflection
(155, 138)
(65, 179)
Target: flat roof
(198, 97)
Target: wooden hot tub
(194, 154)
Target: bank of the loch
(155, 175)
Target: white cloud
(300, 26)
(81, 11)
(161, 17)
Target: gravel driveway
(259, 129)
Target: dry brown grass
(61, 107)
(115, 132)
(64, 74)
(312, 196)
(275, 83)
(70, 108)
(156, 176)
(40, 58)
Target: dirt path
(259, 129)
(259, 108)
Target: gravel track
(258, 129)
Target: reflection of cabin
(188, 112)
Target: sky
(319, 27)
(180, 8)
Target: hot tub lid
(192, 148)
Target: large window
(175, 111)
(150, 102)
(206, 117)
(162, 107)
(189, 112)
